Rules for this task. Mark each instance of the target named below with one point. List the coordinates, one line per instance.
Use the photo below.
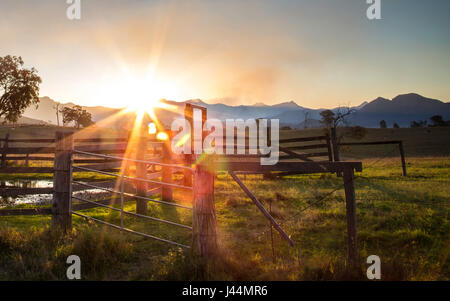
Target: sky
(318, 53)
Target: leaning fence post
(5, 150)
(62, 181)
(350, 204)
(402, 156)
(204, 211)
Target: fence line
(203, 210)
(398, 142)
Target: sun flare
(142, 95)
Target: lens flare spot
(152, 128)
(162, 136)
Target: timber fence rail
(396, 142)
(107, 164)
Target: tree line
(436, 120)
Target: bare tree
(305, 118)
(342, 115)
(339, 117)
(56, 107)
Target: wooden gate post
(204, 212)
(141, 170)
(334, 141)
(189, 117)
(62, 181)
(187, 174)
(166, 191)
(330, 151)
(402, 156)
(5, 151)
(350, 204)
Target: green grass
(404, 220)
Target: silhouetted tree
(19, 88)
(332, 119)
(437, 120)
(383, 124)
(418, 124)
(77, 115)
(327, 118)
(396, 126)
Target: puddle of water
(40, 199)
(26, 183)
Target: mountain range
(402, 109)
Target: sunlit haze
(316, 53)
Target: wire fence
(328, 194)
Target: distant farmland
(418, 142)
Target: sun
(144, 95)
(135, 93)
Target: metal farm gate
(121, 181)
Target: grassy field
(418, 142)
(404, 220)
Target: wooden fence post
(188, 116)
(204, 212)
(334, 141)
(402, 156)
(330, 152)
(62, 181)
(5, 151)
(335, 144)
(350, 204)
(166, 191)
(141, 171)
(187, 174)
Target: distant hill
(402, 110)
(44, 112)
(27, 120)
